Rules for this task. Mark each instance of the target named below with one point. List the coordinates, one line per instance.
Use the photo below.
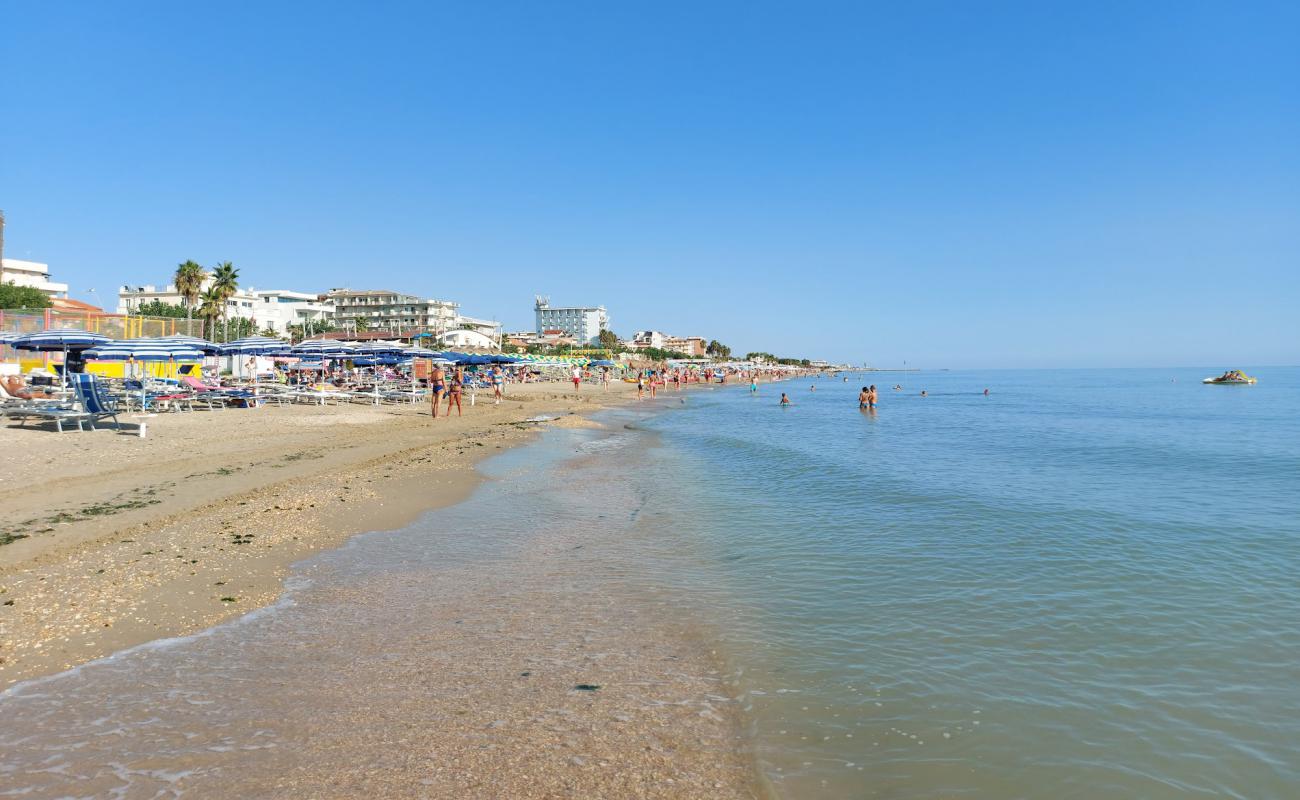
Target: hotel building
(584, 324)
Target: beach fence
(114, 326)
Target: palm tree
(360, 325)
(189, 282)
(225, 279)
(213, 304)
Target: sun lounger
(94, 401)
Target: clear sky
(956, 184)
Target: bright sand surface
(129, 540)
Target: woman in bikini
(437, 385)
(453, 392)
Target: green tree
(189, 280)
(608, 340)
(14, 296)
(157, 308)
(225, 279)
(211, 307)
(360, 325)
(717, 349)
(239, 327)
(269, 331)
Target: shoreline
(122, 554)
(294, 518)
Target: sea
(1082, 583)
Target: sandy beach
(116, 540)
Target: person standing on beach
(577, 378)
(437, 385)
(640, 384)
(453, 391)
(498, 384)
(604, 378)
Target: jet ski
(1233, 377)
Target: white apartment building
(487, 327)
(582, 323)
(386, 310)
(644, 339)
(32, 274)
(275, 308)
(690, 345)
(280, 308)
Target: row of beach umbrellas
(189, 348)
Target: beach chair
(94, 400)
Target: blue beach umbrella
(325, 347)
(253, 346)
(59, 340)
(144, 350)
(62, 340)
(208, 348)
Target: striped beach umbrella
(253, 346)
(329, 348)
(62, 340)
(209, 348)
(145, 349)
(59, 340)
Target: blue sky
(952, 184)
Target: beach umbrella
(147, 349)
(62, 340)
(53, 341)
(253, 346)
(144, 350)
(325, 347)
(208, 348)
(420, 352)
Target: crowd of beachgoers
(174, 374)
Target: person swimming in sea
(785, 401)
(923, 394)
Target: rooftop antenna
(543, 301)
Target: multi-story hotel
(584, 324)
(276, 309)
(387, 310)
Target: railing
(114, 326)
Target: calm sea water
(1086, 584)
(1082, 585)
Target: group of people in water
(867, 398)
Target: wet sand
(125, 540)
(214, 509)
